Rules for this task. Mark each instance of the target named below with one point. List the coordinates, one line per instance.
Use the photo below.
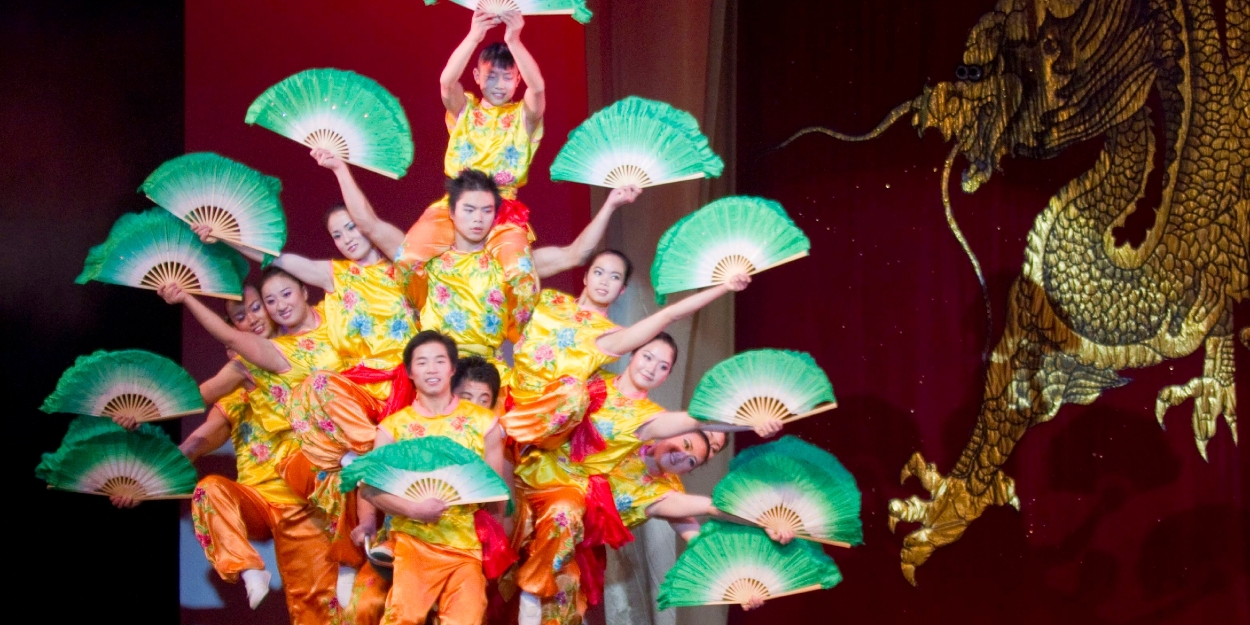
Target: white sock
(257, 584)
(347, 579)
(531, 609)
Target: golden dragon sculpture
(1039, 76)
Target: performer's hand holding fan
(346, 113)
(433, 467)
(151, 249)
(131, 384)
(730, 563)
(97, 457)
(636, 142)
(809, 494)
(761, 385)
(238, 202)
(576, 8)
(736, 234)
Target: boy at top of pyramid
(491, 133)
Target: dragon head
(1038, 76)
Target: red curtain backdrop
(1121, 521)
(235, 49)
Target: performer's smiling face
(605, 280)
(352, 243)
(286, 300)
(498, 84)
(473, 215)
(650, 365)
(680, 454)
(249, 315)
(431, 368)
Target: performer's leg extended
(421, 577)
(309, 575)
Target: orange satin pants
(546, 418)
(426, 574)
(227, 514)
(549, 527)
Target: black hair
(477, 369)
(330, 212)
(274, 271)
(498, 55)
(663, 337)
(429, 336)
(470, 180)
(629, 266)
(707, 442)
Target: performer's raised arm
(449, 81)
(551, 260)
(535, 87)
(309, 271)
(635, 336)
(383, 234)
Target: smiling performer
(570, 510)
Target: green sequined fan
(730, 563)
(775, 491)
(100, 460)
(433, 467)
(636, 142)
(238, 202)
(346, 113)
(576, 8)
(153, 248)
(131, 383)
(760, 385)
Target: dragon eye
(969, 72)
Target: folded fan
(143, 465)
(153, 248)
(729, 563)
(576, 8)
(433, 467)
(238, 202)
(774, 491)
(736, 234)
(131, 383)
(351, 115)
(763, 384)
(636, 141)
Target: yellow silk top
(368, 315)
(258, 451)
(491, 139)
(467, 424)
(471, 301)
(558, 342)
(634, 488)
(617, 422)
(307, 352)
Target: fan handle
(180, 274)
(767, 596)
(758, 410)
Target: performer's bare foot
(257, 584)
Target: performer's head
(429, 359)
(285, 297)
(477, 381)
(650, 364)
(682, 454)
(352, 243)
(607, 277)
(473, 199)
(249, 315)
(496, 74)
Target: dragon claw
(1212, 397)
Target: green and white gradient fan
(351, 115)
(760, 385)
(153, 248)
(639, 142)
(791, 447)
(576, 8)
(821, 504)
(131, 383)
(240, 203)
(736, 234)
(143, 465)
(433, 467)
(730, 563)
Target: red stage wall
(235, 49)
(1121, 521)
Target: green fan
(150, 249)
(732, 235)
(346, 113)
(790, 446)
(433, 467)
(143, 465)
(736, 564)
(639, 142)
(238, 202)
(130, 383)
(761, 385)
(774, 491)
(576, 8)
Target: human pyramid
(381, 432)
